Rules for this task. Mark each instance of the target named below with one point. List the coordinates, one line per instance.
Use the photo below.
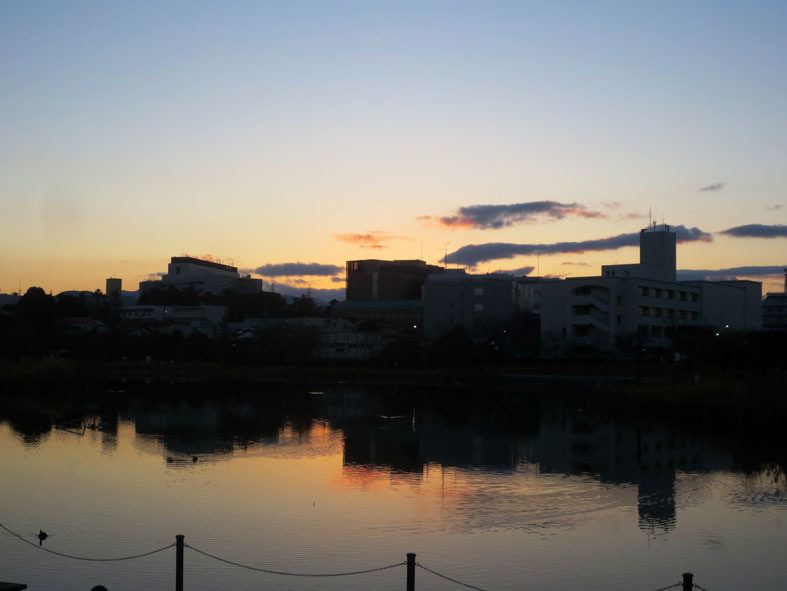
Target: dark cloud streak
(485, 217)
(713, 187)
(473, 254)
(757, 231)
(298, 270)
(731, 273)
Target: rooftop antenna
(445, 258)
(650, 216)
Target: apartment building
(644, 301)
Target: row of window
(653, 312)
(667, 294)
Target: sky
(289, 137)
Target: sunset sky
(288, 137)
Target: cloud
(632, 216)
(612, 204)
(156, 276)
(338, 279)
(375, 239)
(485, 217)
(775, 207)
(298, 270)
(473, 254)
(517, 272)
(713, 187)
(731, 273)
(757, 231)
(576, 264)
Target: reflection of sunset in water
(327, 483)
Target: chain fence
(85, 558)
(292, 574)
(686, 584)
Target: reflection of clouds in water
(757, 491)
(543, 504)
(317, 440)
(713, 541)
(693, 489)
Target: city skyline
(292, 137)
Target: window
(580, 291)
(682, 296)
(670, 313)
(620, 300)
(655, 312)
(656, 292)
(695, 297)
(581, 310)
(656, 331)
(478, 291)
(478, 307)
(642, 290)
(695, 316)
(643, 311)
(669, 294)
(684, 315)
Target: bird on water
(42, 535)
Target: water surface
(502, 493)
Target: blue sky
(271, 133)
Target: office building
(642, 301)
(204, 276)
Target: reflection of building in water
(186, 430)
(465, 436)
(577, 441)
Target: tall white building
(642, 301)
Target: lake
(500, 492)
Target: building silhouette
(204, 276)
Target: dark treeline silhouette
(88, 326)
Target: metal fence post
(179, 562)
(410, 571)
(688, 581)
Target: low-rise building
(204, 276)
(207, 320)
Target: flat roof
(202, 263)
